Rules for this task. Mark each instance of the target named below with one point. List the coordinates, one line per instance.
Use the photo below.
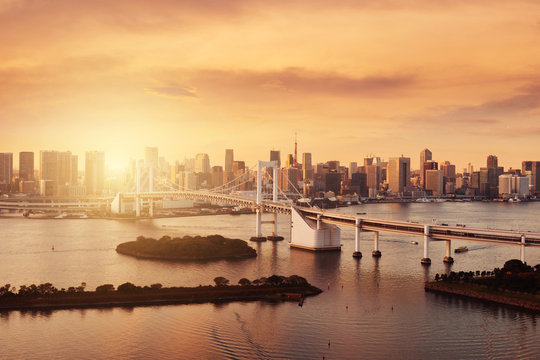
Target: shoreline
(165, 296)
(513, 299)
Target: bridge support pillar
(522, 249)
(376, 252)
(448, 259)
(356, 254)
(275, 236)
(426, 260)
(137, 206)
(258, 224)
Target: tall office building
(425, 155)
(307, 166)
(275, 155)
(49, 166)
(429, 165)
(492, 162)
(64, 168)
(373, 176)
(449, 171)
(290, 161)
(333, 165)
(532, 169)
(151, 156)
(289, 180)
(26, 165)
(434, 181)
(353, 168)
(229, 158)
(6, 168)
(399, 174)
(74, 170)
(94, 174)
(217, 176)
(202, 163)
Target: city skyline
(383, 79)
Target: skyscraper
(202, 163)
(74, 170)
(275, 155)
(6, 168)
(425, 155)
(26, 165)
(399, 174)
(434, 181)
(94, 174)
(151, 156)
(229, 158)
(532, 169)
(307, 166)
(353, 168)
(492, 162)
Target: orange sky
(351, 77)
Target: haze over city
(352, 78)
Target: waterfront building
(373, 173)
(359, 184)
(332, 182)
(399, 174)
(425, 155)
(6, 169)
(532, 169)
(94, 174)
(26, 165)
(434, 181)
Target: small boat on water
(414, 242)
(461, 249)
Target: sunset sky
(350, 77)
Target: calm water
(371, 308)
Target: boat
(461, 249)
(414, 242)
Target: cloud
(171, 90)
(302, 82)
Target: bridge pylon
(259, 209)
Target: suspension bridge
(311, 228)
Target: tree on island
(221, 281)
(244, 282)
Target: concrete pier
(376, 252)
(426, 260)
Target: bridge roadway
(435, 232)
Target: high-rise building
(151, 156)
(399, 174)
(94, 174)
(333, 165)
(275, 155)
(290, 161)
(333, 182)
(229, 158)
(449, 171)
(26, 165)
(307, 166)
(353, 168)
(289, 179)
(492, 162)
(238, 167)
(202, 163)
(217, 176)
(74, 170)
(434, 181)
(6, 168)
(532, 169)
(359, 184)
(373, 176)
(425, 155)
(64, 168)
(429, 165)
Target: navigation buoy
(329, 285)
(328, 343)
(347, 306)
(53, 248)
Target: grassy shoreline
(520, 300)
(163, 296)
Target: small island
(47, 297)
(516, 285)
(187, 248)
